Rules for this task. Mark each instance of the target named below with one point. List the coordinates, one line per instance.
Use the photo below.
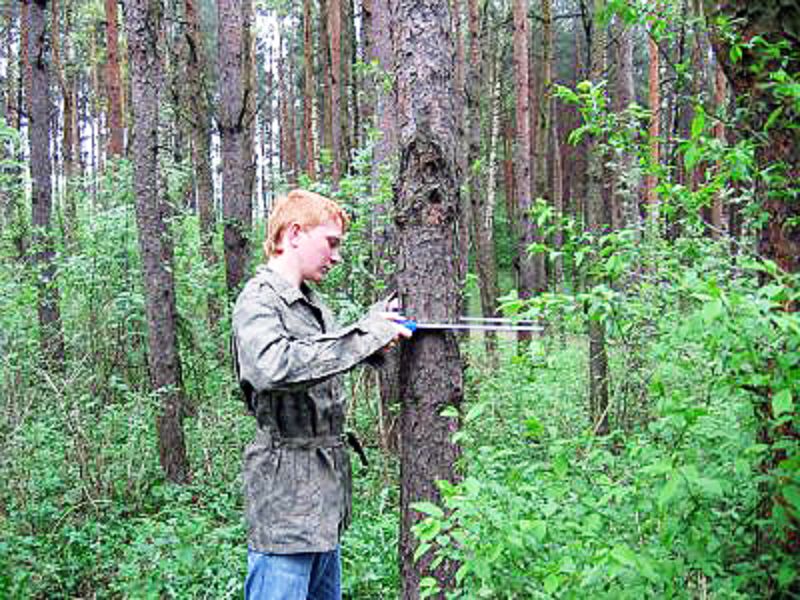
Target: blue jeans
(306, 576)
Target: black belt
(321, 441)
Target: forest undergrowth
(666, 505)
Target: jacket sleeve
(271, 358)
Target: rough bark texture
(236, 203)
(308, 95)
(10, 212)
(482, 218)
(779, 239)
(654, 96)
(200, 128)
(335, 72)
(69, 140)
(626, 184)
(52, 339)
(427, 202)
(116, 138)
(155, 243)
(522, 148)
(597, 217)
(378, 48)
(249, 105)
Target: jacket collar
(289, 293)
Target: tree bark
(597, 215)
(335, 73)
(530, 275)
(200, 128)
(654, 96)
(626, 184)
(40, 107)
(11, 192)
(308, 95)
(236, 203)
(143, 20)
(427, 202)
(116, 143)
(378, 49)
(482, 218)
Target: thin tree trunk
(481, 218)
(378, 48)
(720, 101)
(200, 127)
(597, 221)
(236, 203)
(40, 107)
(249, 106)
(11, 193)
(39, 110)
(155, 242)
(626, 184)
(528, 278)
(116, 143)
(541, 184)
(427, 202)
(335, 73)
(325, 122)
(349, 117)
(654, 96)
(308, 95)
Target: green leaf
(624, 555)
(773, 117)
(560, 466)
(710, 487)
(450, 412)
(551, 583)
(475, 412)
(421, 550)
(428, 508)
(787, 574)
(698, 123)
(782, 403)
(669, 491)
(792, 495)
(692, 156)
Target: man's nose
(336, 256)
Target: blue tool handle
(408, 324)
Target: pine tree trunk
(427, 202)
(308, 95)
(249, 106)
(626, 184)
(200, 128)
(113, 82)
(529, 278)
(654, 96)
(155, 242)
(335, 73)
(236, 203)
(378, 48)
(40, 107)
(597, 220)
(481, 219)
(11, 192)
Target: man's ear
(292, 232)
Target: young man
(290, 355)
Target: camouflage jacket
(290, 355)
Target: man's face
(318, 249)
